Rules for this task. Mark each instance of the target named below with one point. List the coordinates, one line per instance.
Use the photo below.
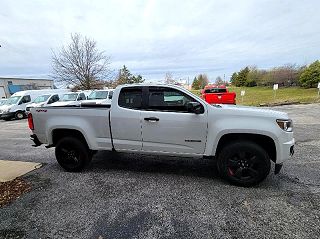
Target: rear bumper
(35, 140)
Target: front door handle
(152, 119)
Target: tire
(72, 154)
(243, 163)
(19, 115)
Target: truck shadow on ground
(198, 167)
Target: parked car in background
(15, 106)
(71, 99)
(46, 99)
(168, 120)
(3, 101)
(99, 97)
(218, 94)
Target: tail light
(30, 121)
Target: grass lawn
(265, 95)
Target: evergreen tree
(242, 77)
(234, 78)
(125, 77)
(195, 84)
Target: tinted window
(82, 96)
(53, 99)
(25, 99)
(130, 97)
(215, 90)
(110, 94)
(167, 99)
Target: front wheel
(72, 154)
(19, 115)
(243, 163)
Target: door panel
(174, 132)
(168, 127)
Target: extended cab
(218, 94)
(168, 120)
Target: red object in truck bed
(215, 94)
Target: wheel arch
(266, 142)
(60, 133)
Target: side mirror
(195, 107)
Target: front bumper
(7, 115)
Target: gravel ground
(134, 196)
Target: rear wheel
(243, 163)
(72, 154)
(19, 115)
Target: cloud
(156, 36)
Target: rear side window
(130, 98)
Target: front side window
(168, 99)
(82, 96)
(25, 99)
(110, 95)
(130, 97)
(53, 99)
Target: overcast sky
(154, 37)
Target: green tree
(195, 84)
(243, 77)
(125, 77)
(252, 77)
(234, 78)
(310, 76)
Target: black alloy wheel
(244, 163)
(72, 154)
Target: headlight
(6, 110)
(286, 125)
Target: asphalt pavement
(136, 196)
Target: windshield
(98, 95)
(13, 100)
(69, 97)
(41, 98)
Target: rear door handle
(151, 119)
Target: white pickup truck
(168, 120)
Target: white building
(9, 86)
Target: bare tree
(168, 78)
(81, 64)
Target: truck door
(126, 120)
(167, 126)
